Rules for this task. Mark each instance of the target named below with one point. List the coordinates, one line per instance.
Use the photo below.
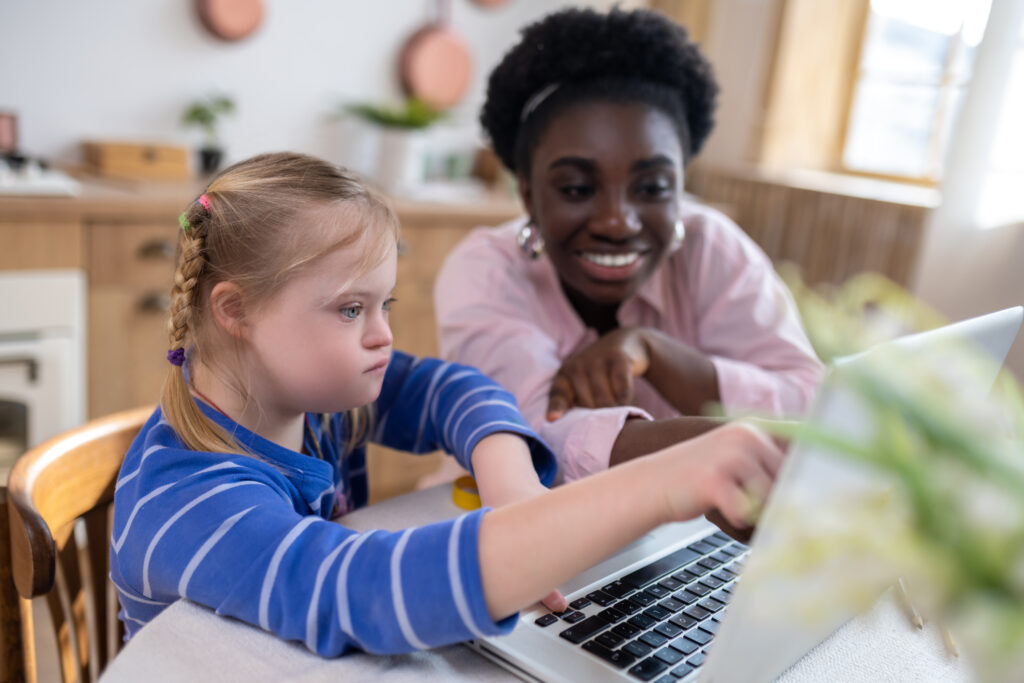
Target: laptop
(669, 606)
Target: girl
(282, 370)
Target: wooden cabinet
(131, 269)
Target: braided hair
(578, 55)
(257, 225)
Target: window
(1002, 196)
(915, 63)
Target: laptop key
(718, 538)
(709, 626)
(668, 629)
(701, 547)
(672, 605)
(672, 583)
(617, 589)
(667, 678)
(644, 598)
(684, 621)
(626, 629)
(590, 626)
(658, 591)
(618, 658)
(711, 605)
(653, 639)
(699, 588)
(642, 621)
(697, 569)
(681, 670)
(686, 596)
(579, 603)
(721, 557)
(546, 620)
(601, 598)
(628, 606)
(686, 576)
(641, 577)
(612, 615)
(648, 669)
(711, 580)
(668, 655)
(709, 563)
(638, 648)
(684, 645)
(573, 617)
(697, 612)
(609, 639)
(698, 636)
(696, 660)
(658, 613)
(724, 575)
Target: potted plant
(205, 114)
(399, 156)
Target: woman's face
(604, 189)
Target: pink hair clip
(204, 201)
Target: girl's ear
(228, 307)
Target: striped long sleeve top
(250, 535)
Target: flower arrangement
(948, 519)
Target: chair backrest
(59, 501)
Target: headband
(535, 100)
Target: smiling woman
(617, 310)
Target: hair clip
(183, 222)
(176, 356)
(204, 202)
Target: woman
(617, 310)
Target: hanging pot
(435, 64)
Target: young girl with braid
(282, 370)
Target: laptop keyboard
(658, 621)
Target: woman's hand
(601, 374)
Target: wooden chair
(59, 503)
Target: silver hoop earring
(529, 240)
(678, 233)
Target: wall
(126, 69)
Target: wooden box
(156, 161)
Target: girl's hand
(726, 473)
(600, 375)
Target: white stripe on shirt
(438, 372)
(505, 423)
(321, 575)
(344, 614)
(275, 562)
(127, 478)
(454, 410)
(146, 588)
(437, 394)
(490, 402)
(205, 548)
(156, 492)
(396, 593)
(455, 578)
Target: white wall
(125, 69)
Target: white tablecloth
(188, 642)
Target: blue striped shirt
(250, 536)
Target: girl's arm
(529, 546)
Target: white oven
(42, 358)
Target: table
(189, 642)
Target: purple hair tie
(176, 356)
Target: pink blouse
(507, 315)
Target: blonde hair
(258, 232)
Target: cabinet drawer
(133, 255)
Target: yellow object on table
(465, 493)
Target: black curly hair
(621, 56)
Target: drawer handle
(155, 302)
(157, 249)
(31, 365)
